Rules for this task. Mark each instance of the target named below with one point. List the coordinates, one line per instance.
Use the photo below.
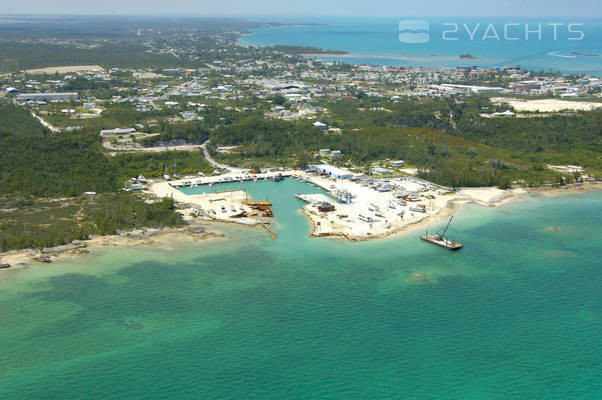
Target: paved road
(211, 160)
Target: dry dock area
(366, 208)
(224, 206)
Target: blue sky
(434, 8)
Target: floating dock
(442, 242)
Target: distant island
(468, 56)
(578, 53)
(299, 50)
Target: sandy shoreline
(448, 211)
(139, 238)
(198, 230)
(486, 197)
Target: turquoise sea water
(516, 314)
(376, 41)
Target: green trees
(125, 54)
(36, 162)
(263, 137)
(120, 211)
(48, 223)
(157, 164)
(193, 132)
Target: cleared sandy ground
(135, 147)
(147, 75)
(66, 69)
(548, 105)
(389, 216)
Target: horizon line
(260, 15)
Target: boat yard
(356, 208)
(366, 208)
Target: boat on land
(420, 208)
(325, 207)
(440, 240)
(366, 218)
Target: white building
(48, 96)
(381, 171)
(320, 125)
(118, 131)
(506, 113)
(332, 171)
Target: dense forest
(17, 55)
(158, 163)
(448, 141)
(36, 162)
(264, 137)
(567, 133)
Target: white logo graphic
(414, 31)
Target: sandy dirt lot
(548, 105)
(67, 69)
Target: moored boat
(440, 240)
